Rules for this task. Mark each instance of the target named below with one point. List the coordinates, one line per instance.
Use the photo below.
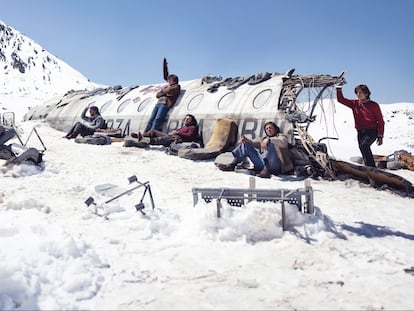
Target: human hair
(193, 119)
(364, 89)
(94, 108)
(173, 77)
(274, 125)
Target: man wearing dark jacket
(96, 121)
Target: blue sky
(123, 42)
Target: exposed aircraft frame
(250, 101)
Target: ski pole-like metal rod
(127, 191)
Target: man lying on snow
(96, 121)
(187, 133)
(272, 157)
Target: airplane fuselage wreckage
(250, 101)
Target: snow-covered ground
(57, 254)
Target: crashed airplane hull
(249, 101)
(129, 109)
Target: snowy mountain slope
(27, 68)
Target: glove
(339, 83)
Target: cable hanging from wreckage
(301, 120)
(330, 168)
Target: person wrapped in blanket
(95, 120)
(269, 155)
(187, 133)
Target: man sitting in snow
(187, 133)
(272, 157)
(96, 121)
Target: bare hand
(264, 144)
(379, 141)
(242, 140)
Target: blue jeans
(157, 117)
(268, 158)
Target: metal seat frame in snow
(302, 198)
(18, 153)
(139, 207)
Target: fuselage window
(106, 105)
(194, 102)
(261, 99)
(226, 100)
(144, 104)
(124, 104)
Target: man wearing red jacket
(368, 120)
(187, 133)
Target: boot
(264, 173)
(70, 136)
(148, 133)
(228, 167)
(137, 135)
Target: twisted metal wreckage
(17, 153)
(288, 100)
